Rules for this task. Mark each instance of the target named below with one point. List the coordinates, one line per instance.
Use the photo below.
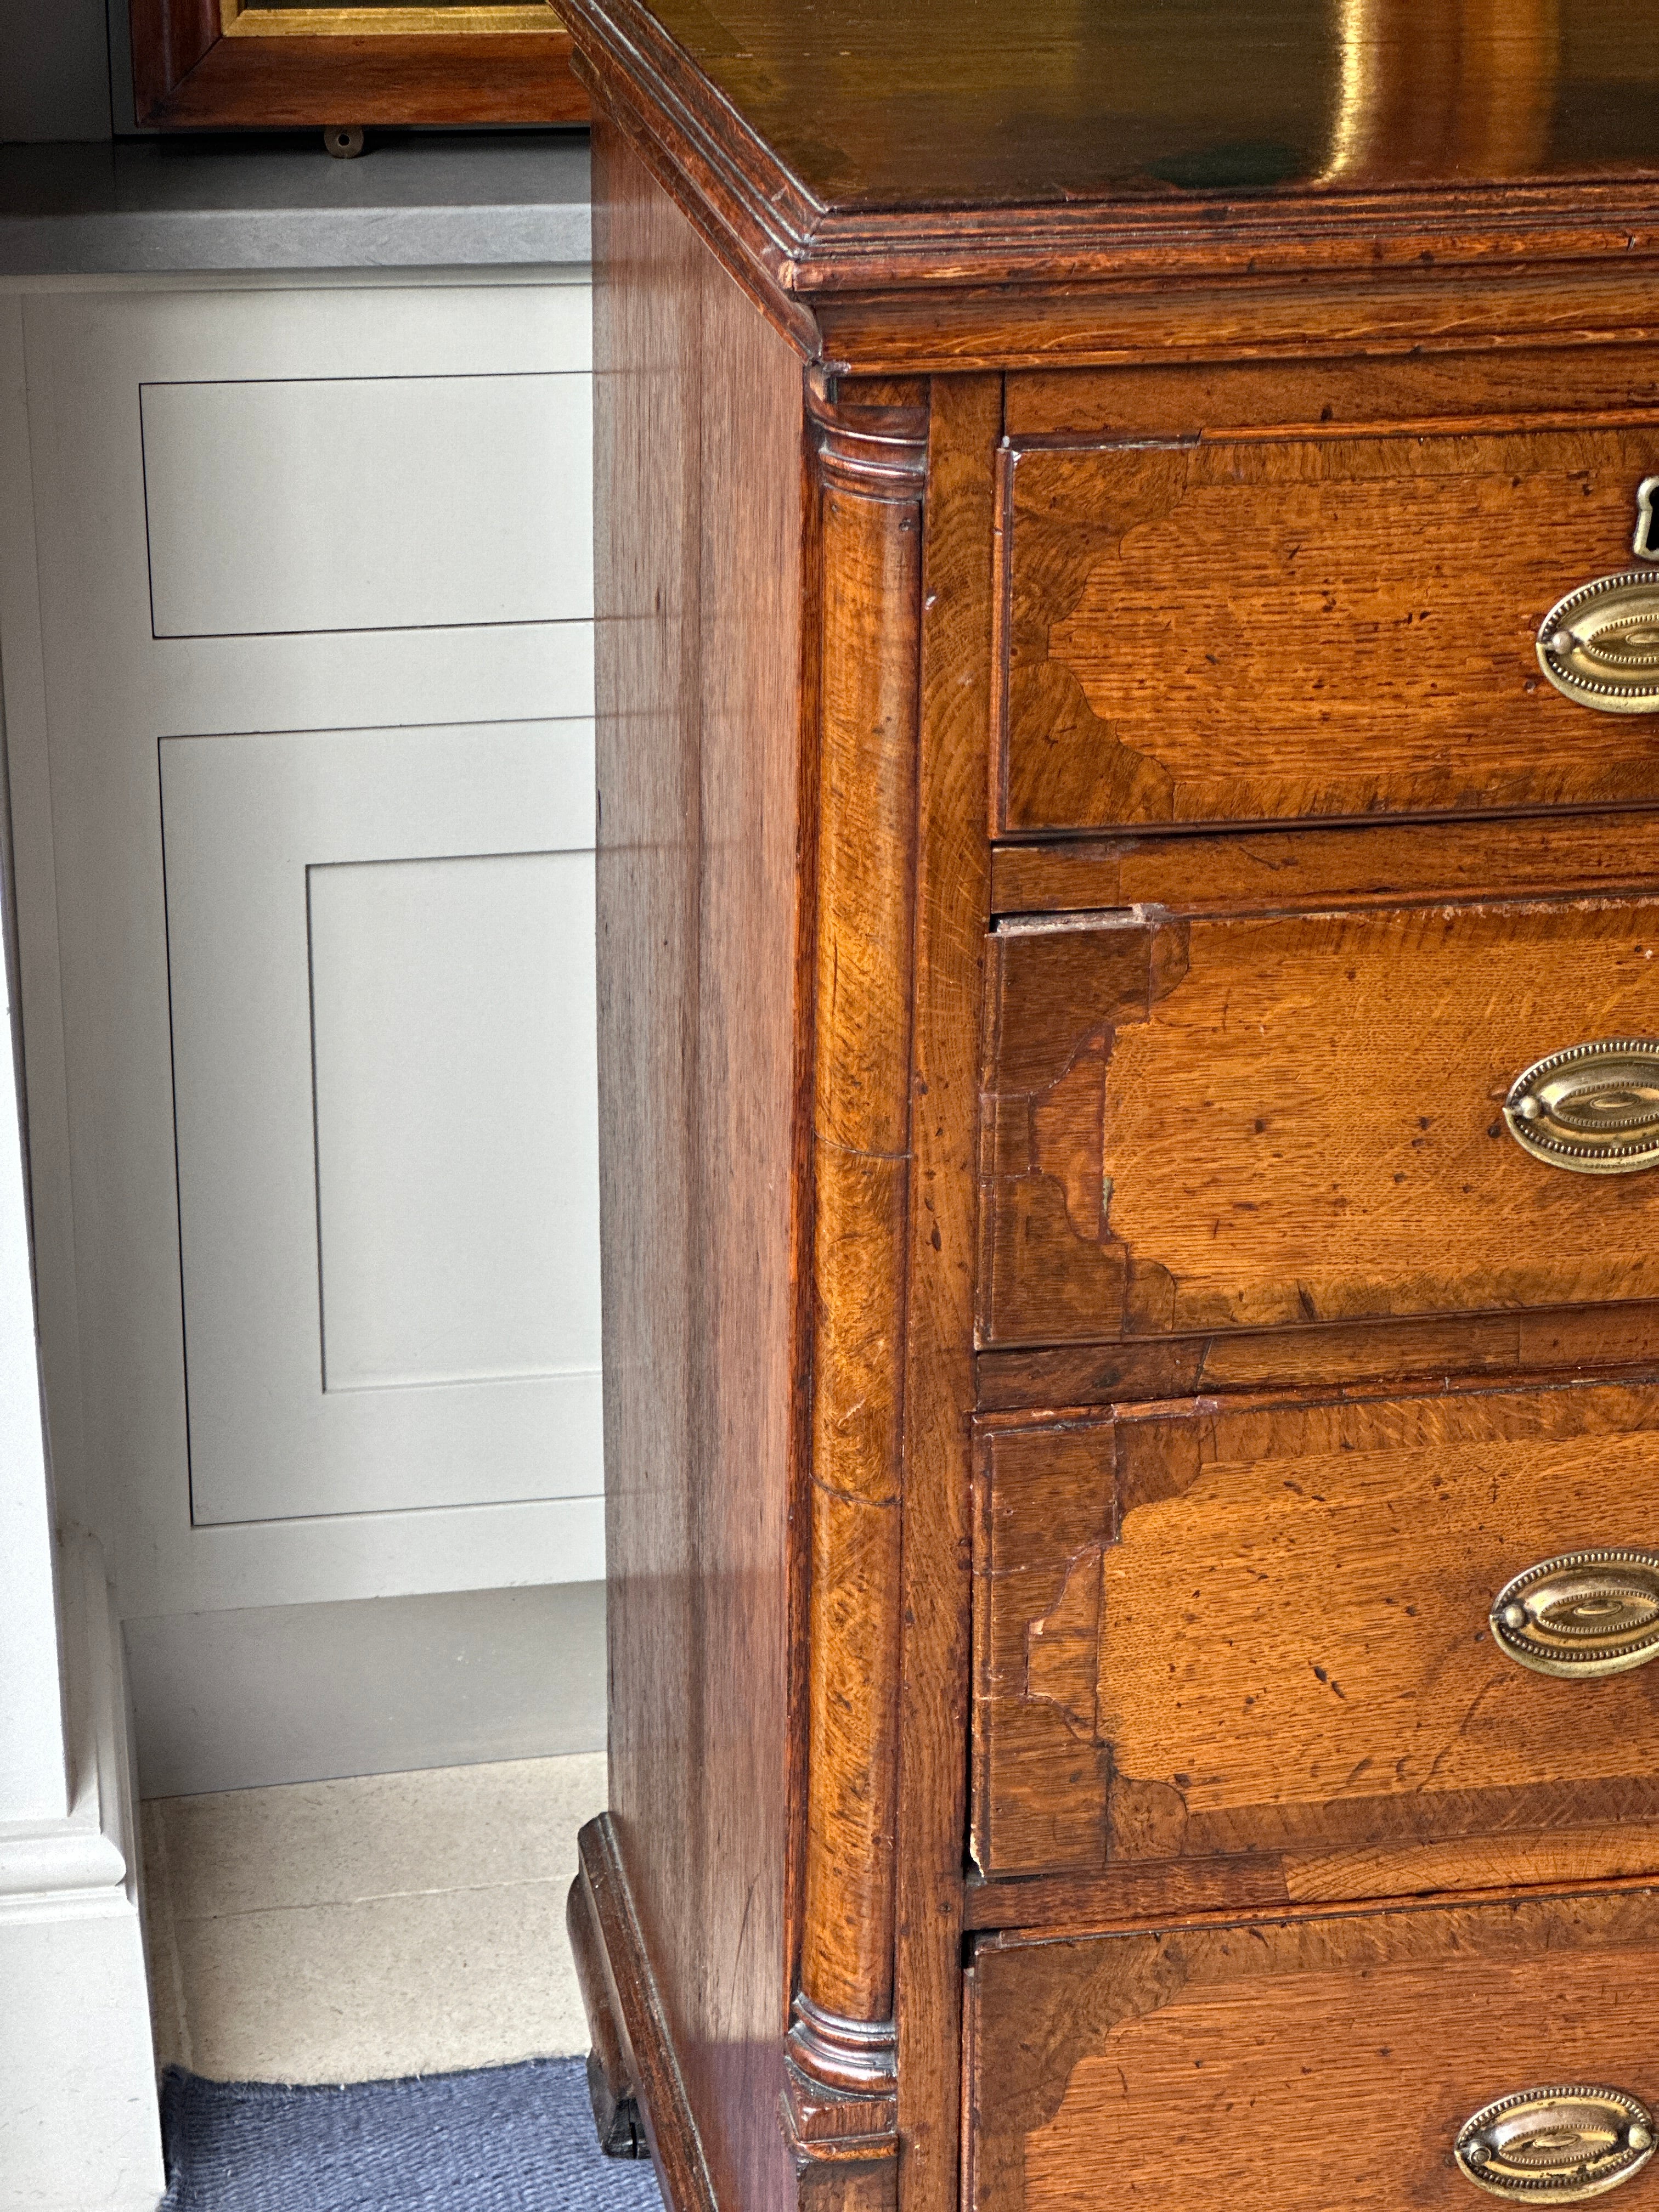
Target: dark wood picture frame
(225, 64)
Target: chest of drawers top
(1129, 1016)
(924, 187)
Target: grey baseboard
(380, 1685)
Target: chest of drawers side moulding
(899, 891)
(792, 790)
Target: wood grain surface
(188, 76)
(633, 2044)
(285, 19)
(1270, 871)
(1300, 864)
(878, 108)
(1543, 387)
(611, 2087)
(1143, 300)
(926, 274)
(1253, 1122)
(870, 472)
(1577, 1341)
(1300, 2062)
(951, 904)
(866, 817)
(1247, 630)
(1263, 1628)
(1141, 1893)
(699, 587)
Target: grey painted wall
(376, 1686)
(54, 78)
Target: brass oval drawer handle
(1586, 1613)
(1555, 2146)
(1593, 1109)
(1600, 644)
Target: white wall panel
(452, 1003)
(367, 503)
(86, 784)
(90, 690)
(174, 1565)
(380, 952)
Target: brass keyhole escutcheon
(1599, 645)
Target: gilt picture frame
(279, 64)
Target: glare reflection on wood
(379, 18)
(1447, 88)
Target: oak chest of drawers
(1129, 980)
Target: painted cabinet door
(313, 758)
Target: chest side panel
(699, 584)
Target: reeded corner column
(841, 2100)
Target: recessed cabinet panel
(233, 458)
(381, 960)
(455, 1175)
(367, 503)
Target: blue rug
(502, 2139)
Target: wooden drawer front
(1243, 629)
(1262, 1630)
(1244, 1122)
(1301, 2063)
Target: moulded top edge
(972, 143)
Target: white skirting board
(268, 1694)
(79, 2125)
